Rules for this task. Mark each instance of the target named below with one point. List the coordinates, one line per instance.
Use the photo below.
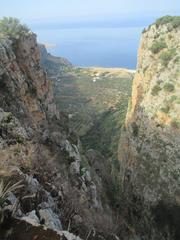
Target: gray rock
(33, 183)
(12, 198)
(11, 127)
(93, 194)
(51, 219)
(87, 176)
(70, 236)
(74, 168)
(31, 218)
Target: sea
(94, 47)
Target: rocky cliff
(36, 148)
(53, 65)
(150, 143)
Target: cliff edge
(150, 143)
(40, 157)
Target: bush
(173, 98)
(158, 46)
(12, 28)
(175, 21)
(163, 20)
(5, 190)
(169, 87)
(165, 109)
(155, 90)
(167, 56)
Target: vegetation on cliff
(150, 143)
(173, 20)
(38, 147)
(12, 28)
(80, 185)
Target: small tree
(169, 87)
(167, 56)
(155, 90)
(158, 46)
(12, 28)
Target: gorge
(89, 153)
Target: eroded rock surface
(36, 148)
(150, 143)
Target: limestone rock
(150, 142)
(51, 220)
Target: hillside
(150, 143)
(45, 190)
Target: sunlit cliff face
(150, 144)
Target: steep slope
(150, 143)
(37, 148)
(53, 65)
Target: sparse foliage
(155, 90)
(158, 46)
(5, 190)
(175, 21)
(166, 56)
(169, 87)
(12, 28)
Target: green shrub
(155, 90)
(157, 46)
(165, 109)
(12, 28)
(166, 56)
(163, 20)
(175, 21)
(173, 98)
(169, 87)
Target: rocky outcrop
(24, 83)
(53, 65)
(21, 230)
(36, 147)
(150, 143)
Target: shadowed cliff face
(150, 143)
(37, 148)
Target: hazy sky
(79, 11)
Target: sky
(77, 13)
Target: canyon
(90, 153)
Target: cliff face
(150, 143)
(53, 65)
(25, 90)
(37, 148)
